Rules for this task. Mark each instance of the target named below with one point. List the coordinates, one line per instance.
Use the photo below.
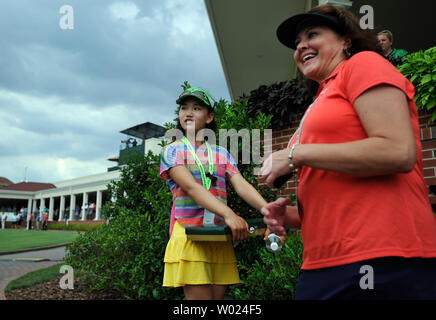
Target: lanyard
(206, 180)
(297, 141)
(298, 131)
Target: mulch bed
(50, 290)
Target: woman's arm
(205, 199)
(389, 148)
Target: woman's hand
(275, 215)
(238, 226)
(268, 231)
(275, 166)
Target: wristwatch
(291, 165)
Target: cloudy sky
(66, 93)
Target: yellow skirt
(198, 262)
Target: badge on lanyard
(208, 216)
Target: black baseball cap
(287, 30)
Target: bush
(284, 101)
(272, 276)
(420, 69)
(126, 255)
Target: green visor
(198, 93)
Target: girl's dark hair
(212, 126)
(360, 40)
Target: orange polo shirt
(347, 218)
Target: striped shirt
(185, 210)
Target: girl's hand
(275, 214)
(238, 226)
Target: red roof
(29, 186)
(5, 182)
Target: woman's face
(384, 43)
(319, 51)
(193, 115)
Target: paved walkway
(15, 265)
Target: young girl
(203, 268)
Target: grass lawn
(34, 277)
(23, 239)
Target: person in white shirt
(4, 218)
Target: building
(69, 199)
(251, 55)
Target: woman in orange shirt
(362, 200)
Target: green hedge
(72, 226)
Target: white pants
(3, 224)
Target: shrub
(273, 276)
(420, 68)
(284, 101)
(126, 255)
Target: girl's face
(194, 116)
(319, 51)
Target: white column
(51, 209)
(62, 209)
(72, 206)
(338, 3)
(98, 205)
(85, 201)
(29, 212)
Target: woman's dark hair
(212, 125)
(360, 40)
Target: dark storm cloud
(68, 93)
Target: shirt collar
(331, 76)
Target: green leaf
(426, 78)
(431, 103)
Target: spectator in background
(14, 221)
(4, 218)
(77, 212)
(385, 41)
(91, 209)
(38, 220)
(44, 224)
(85, 210)
(67, 213)
(19, 218)
(45, 219)
(30, 221)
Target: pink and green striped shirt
(185, 210)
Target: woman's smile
(319, 52)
